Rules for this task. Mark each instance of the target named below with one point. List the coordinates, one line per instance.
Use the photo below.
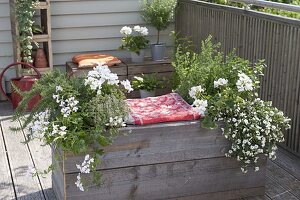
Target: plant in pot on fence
(146, 84)
(79, 115)
(159, 14)
(135, 41)
(225, 89)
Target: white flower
(126, 30)
(40, 123)
(220, 82)
(144, 31)
(138, 78)
(194, 91)
(256, 169)
(127, 85)
(85, 166)
(137, 28)
(200, 106)
(244, 83)
(78, 183)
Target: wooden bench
(176, 160)
(127, 70)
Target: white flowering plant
(80, 115)
(226, 89)
(134, 38)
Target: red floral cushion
(166, 108)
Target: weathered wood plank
(167, 142)
(286, 180)
(6, 184)
(20, 159)
(170, 180)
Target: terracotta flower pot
(40, 60)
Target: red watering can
(23, 83)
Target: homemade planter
(164, 161)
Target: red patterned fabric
(166, 108)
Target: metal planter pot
(158, 51)
(137, 58)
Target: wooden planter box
(164, 161)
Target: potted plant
(158, 13)
(135, 41)
(225, 89)
(146, 84)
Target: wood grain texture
(164, 161)
(255, 36)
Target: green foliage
(158, 13)
(134, 43)
(94, 119)
(24, 14)
(147, 82)
(224, 88)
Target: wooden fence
(255, 36)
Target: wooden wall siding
(255, 36)
(93, 26)
(6, 51)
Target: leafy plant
(24, 14)
(76, 114)
(158, 13)
(134, 42)
(147, 82)
(224, 88)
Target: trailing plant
(147, 82)
(158, 13)
(224, 88)
(24, 11)
(78, 115)
(136, 41)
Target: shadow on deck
(282, 181)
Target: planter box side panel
(206, 177)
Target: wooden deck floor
(282, 181)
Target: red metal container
(23, 83)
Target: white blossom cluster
(195, 91)
(84, 168)
(254, 129)
(101, 75)
(31, 171)
(220, 82)
(199, 104)
(142, 30)
(127, 30)
(67, 106)
(127, 85)
(244, 83)
(116, 122)
(58, 130)
(40, 123)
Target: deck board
(283, 174)
(19, 156)
(6, 184)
